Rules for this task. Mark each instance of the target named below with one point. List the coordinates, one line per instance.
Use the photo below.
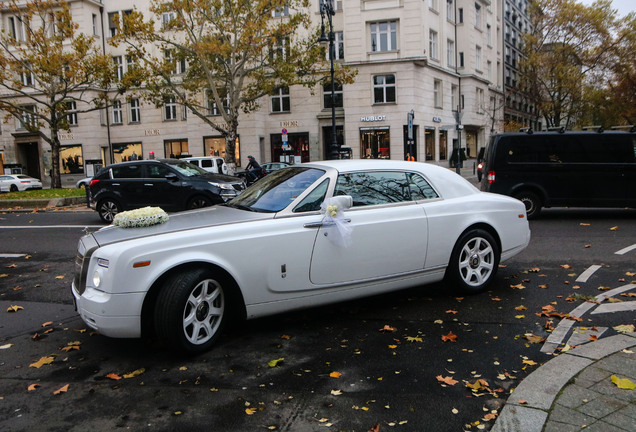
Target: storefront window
(429, 142)
(176, 148)
(296, 150)
(471, 144)
(443, 145)
(71, 161)
(215, 146)
(126, 152)
(375, 143)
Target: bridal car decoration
(142, 217)
(338, 230)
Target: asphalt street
(421, 359)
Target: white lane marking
(564, 326)
(9, 255)
(50, 226)
(625, 250)
(581, 335)
(587, 273)
(615, 307)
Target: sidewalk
(575, 392)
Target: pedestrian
(410, 158)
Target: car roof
(202, 157)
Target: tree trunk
(56, 181)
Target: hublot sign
(373, 118)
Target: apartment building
(518, 109)
(441, 60)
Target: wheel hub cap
(474, 261)
(202, 311)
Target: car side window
(157, 171)
(374, 187)
(206, 163)
(127, 171)
(315, 198)
(420, 189)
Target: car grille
(85, 248)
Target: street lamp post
(326, 8)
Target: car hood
(221, 178)
(193, 219)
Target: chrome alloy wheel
(203, 312)
(476, 261)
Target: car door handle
(148, 184)
(320, 224)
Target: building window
(27, 76)
(71, 161)
(170, 109)
(166, 17)
(338, 46)
(461, 59)
(113, 17)
(117, 113)
(175, 148)
(178, 64)
(383, 36)
(16, 28)
(489, 34)
(432, 4)
(95, 26)
(384, 89)
(450, 11)
(479, 100)
(71, 113)
(280, 12)
(375, 143)
(326, 95)
(432, 44)
(135, 111)
(279, 49)
(478, 58)
(450, 53)
(437, 93)
(489, 70)
(477, 16)
(119, 67)
(213, 108)
(27, 120)
(460, 16)
(281, 100)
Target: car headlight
(97, 279)
(226, 186)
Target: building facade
(441, 60)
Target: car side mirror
(172, 177)
(344, 202)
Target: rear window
(127, 171)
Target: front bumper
(113, 315)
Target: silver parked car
(18, 182)
(303, 236)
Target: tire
(199, 201)
(13, 188)
(474, 262)
(191, 310)
(107, 209)
(532, 202)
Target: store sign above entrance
(437, 119)
(373, 118)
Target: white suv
(213, 164)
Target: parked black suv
(574, 169)
(171, 184)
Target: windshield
(187, 169)
(277, 190)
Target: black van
(568, 169)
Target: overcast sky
(623, 6)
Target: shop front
(123, 152)
(215, 146)
(375, 143)
(294, 150)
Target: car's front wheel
(474, 261)
(531, 201)
(13, 188)
(191, 310)
(198, 202)
(107, 209)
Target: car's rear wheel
(198, 202)
(191, 310)
(474, 261)
(531, 201)
(107, 209)
(13, 188)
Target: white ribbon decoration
(337, 229)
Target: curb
(540, 389)
(40, 205)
